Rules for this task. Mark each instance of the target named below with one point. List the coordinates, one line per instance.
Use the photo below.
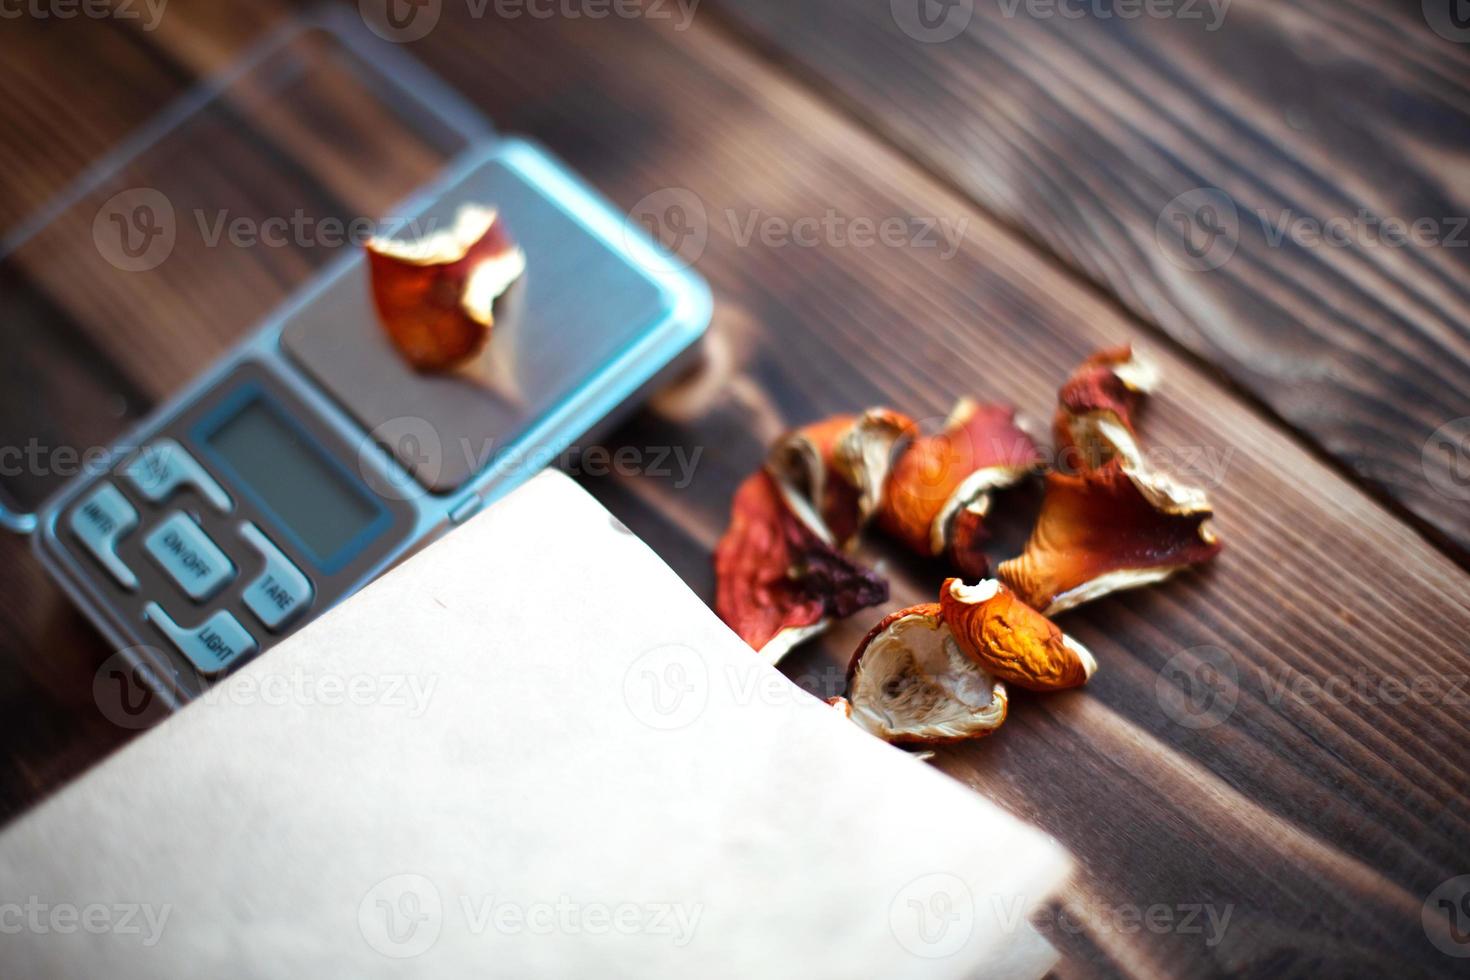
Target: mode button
(163, 466)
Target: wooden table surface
(1299, 797)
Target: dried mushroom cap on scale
(436, 295)
(1011, 640)
(910, 682)
(1108, 529)
(779, 579)
(941, 484)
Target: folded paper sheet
(530, 751)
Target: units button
(185, 552)
(281, 591)
(99, 522)
(212, 646)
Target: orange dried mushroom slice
(838, 467)
(910, 683)
(1109, 529)
(778, 578)
(939, 478)
(435, 295)
(1011, 640)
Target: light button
(163, 466)
(212, 646)
(184, 551)
(99, 522)
(281, 591)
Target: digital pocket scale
(312, 457)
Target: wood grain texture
(56, 123)
(1079, 126)
(74, 89)
(1319, 823)
(49, 658)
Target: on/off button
(189, 557)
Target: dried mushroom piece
(778, 578)
(1011, 640)
(435, 295)
(944, 481)
(1109, 529)
(1096, 408)
(909, 682)
(838, 467)
(967, 537)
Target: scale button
(163, 466)
(466, 509)
(184, 551)
(281, 591)
(100, 521)
(212, 646)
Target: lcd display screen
(288, 475)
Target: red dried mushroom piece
(436, 295)
(838, 467)
(967, 537)
(778, 577)
(1096, 408)
(1109, 529)
(939, 490)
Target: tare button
(212, 646)
(184, 551)
(281, 591)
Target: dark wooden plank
(74, 90)
(49, 659)
(259, 154)
(56, 123)
(1322, 825)
(1080, 130)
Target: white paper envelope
(530, 751)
